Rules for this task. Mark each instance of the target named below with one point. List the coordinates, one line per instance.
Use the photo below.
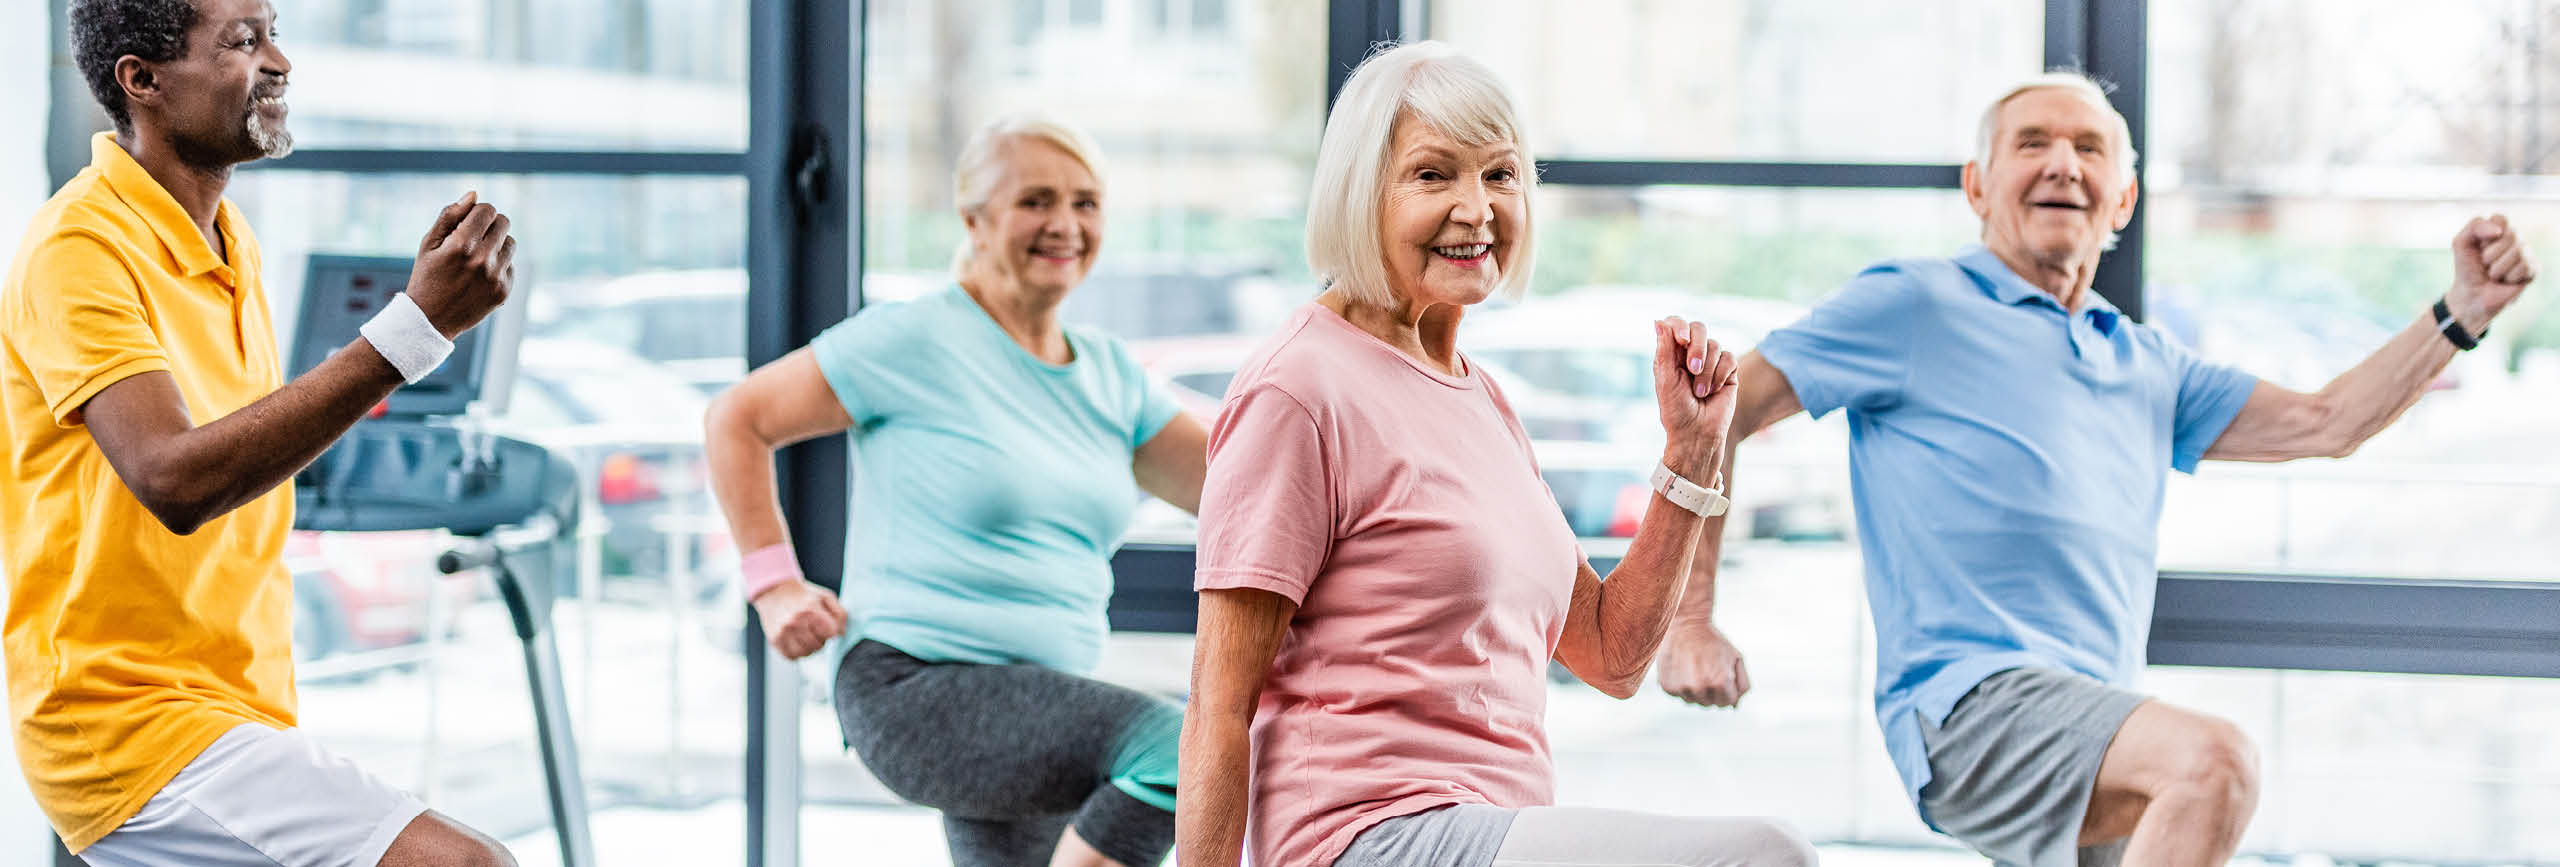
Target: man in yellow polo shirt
(149, 443)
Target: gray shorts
(1476, 835)
(2011, 771)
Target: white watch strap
(1705, 502)
(405, 338)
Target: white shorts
(259, 797)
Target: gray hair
(981, 164)
(2077, 84)
(1433, 84)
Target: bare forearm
(2374, 393)
(1633, 608)
(206, 472)
(1698, 599)
(742, 480)
(1637, 601)
(1209, 817)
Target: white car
(692, 323)
(1592, 349)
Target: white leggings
(1470, 835)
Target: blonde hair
(2078, 84)
(981, 164)
(1430, 83)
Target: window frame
(804, 254)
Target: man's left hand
(2490, 267)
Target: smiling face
(1448, 216)
(2054, 188)
(222, 100)
(1042, 224)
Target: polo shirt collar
(168, 219)
(2006, 287)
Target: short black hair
(104, 31)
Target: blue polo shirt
(2007, 458)
(990, 488)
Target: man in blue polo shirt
(2010, 437)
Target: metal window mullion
(1352, 27)
(1629, 173)
(562, 162)
(2108, 39)
(803, 226)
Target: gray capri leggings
(1013, 754)
(1476, 835)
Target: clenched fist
(466, 266)
(2490, 268)
(1694, 385)
(799, 617)
(1700, 667)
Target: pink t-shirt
(1400, 508)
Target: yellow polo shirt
(130, 648)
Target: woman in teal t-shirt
(998, 457)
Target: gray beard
(271, 143)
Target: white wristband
(1705, 502)
(405, 338)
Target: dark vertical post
(2106, 39)
(803, 256)
(1352, 27)
(2118, 31)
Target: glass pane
(1783, 80)
(1206, 113)
(418, 676)
(1576, 358)
(2310, 163)
(2390, 768)
(563, 74)
(2356, 768)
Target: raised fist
(466, 266)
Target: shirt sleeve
(2209, 397)
(1854, 350)
(867, 362)
(78, 324)
(1267, 508)
(1155, 404)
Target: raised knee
(2222, 764)
(1774, 843)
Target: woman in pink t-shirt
(1383, 575)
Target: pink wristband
(768, 567)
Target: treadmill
(419, 462)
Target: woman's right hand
(799, 617)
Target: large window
(1748, 79)
(568, 74)
(1206, 113)
(2302, 193)
(1735, 161)
(634, 289)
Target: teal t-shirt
(990, 488)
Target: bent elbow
(729, 425)
(180, 518)
(719, 415)
(183, 512)
(1620, 682)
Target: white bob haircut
(2077, 84)
(1429, 83)
(982, 163)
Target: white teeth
(1467, 251)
